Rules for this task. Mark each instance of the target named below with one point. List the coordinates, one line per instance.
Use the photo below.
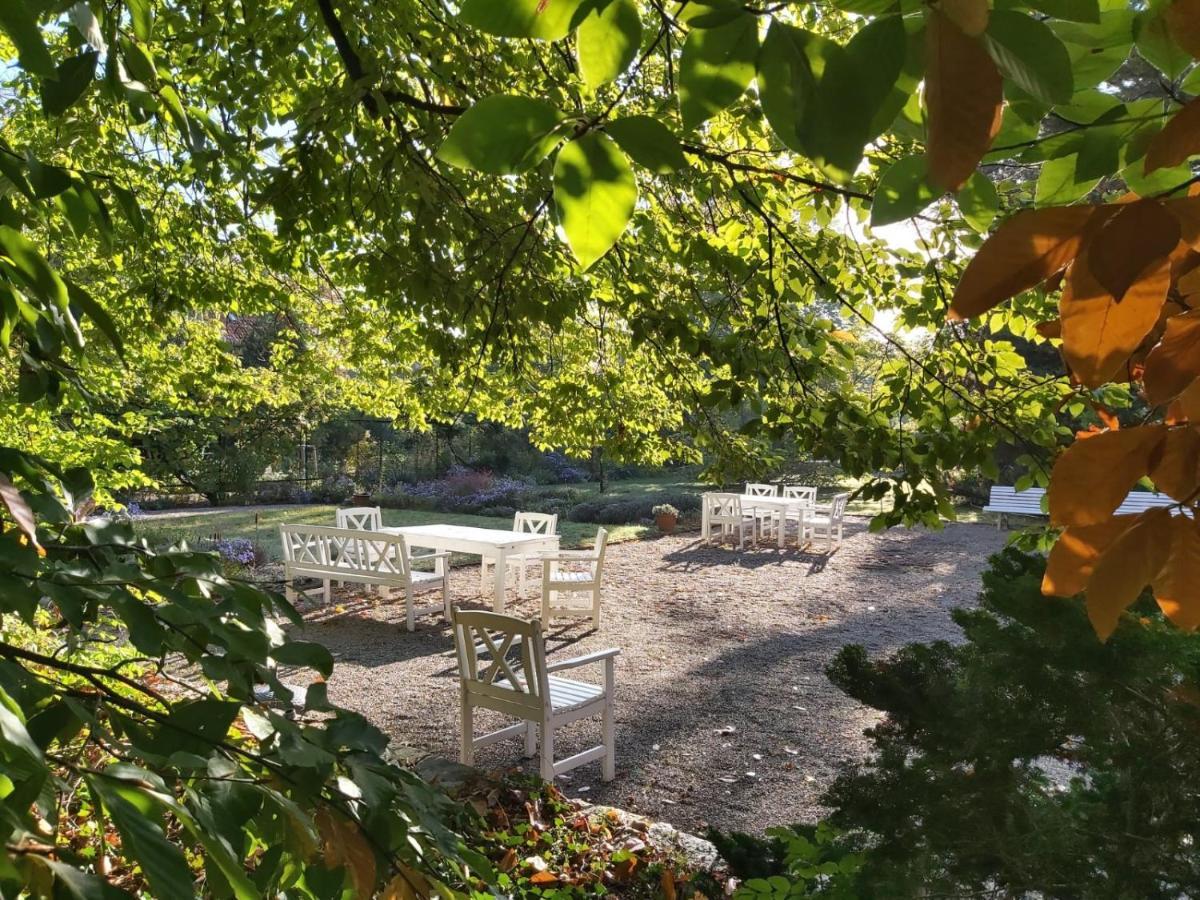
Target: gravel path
(724, 714)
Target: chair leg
(530, 740)
(546, 592)
(608, 767)
(326, 591)
(596, 607)
(467, 744)
(522, 580)
(410, 609)
(446, 599)
(547, 766)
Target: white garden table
(495, 544)
(783, 506)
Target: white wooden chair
(827, 520)
(526, 523)
(372, 559)
(761, 490)
(360, 518)
(524, 688)
(725, 514)
(584, 574)
(806, 495)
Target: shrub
(236, 551)
(618, 510)
(665, 509)
(333, 489)
(1031, 760)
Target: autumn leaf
(1188, 402)
(1027, 249)
(1051, 328)
(964, 95)
(1177, 585)
(1183, 22)
(1174, 362)
(1187, 211)
(1136, 238)
(18, 509)
(1074, 555)
(343, 844)
(1175, 463)
(1093, 475)
(667, 883)
(1099, 332)
(1179, 139)
(1129, 563)
(969, 15)
(543, 878)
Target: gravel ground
(724, 714)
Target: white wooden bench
(372, 558)
(1006, 501)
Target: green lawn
(262, 525)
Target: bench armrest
(572, 663)
(569, 556)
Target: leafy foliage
(1030, 757)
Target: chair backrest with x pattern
(301, 545)
(801, 492)
(760, 490)
(837, 507)
(375, 552)
(487, 643)
(535, 523)
(724, 508)
(360, 518)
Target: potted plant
(361, 496)
(665, 517)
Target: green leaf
(72, 77)
(18, 22)
(502, 135)
(305, 653)
(787, 83)
(978, 202)
(47, 181)
(139, 14)
(608, 40)
(1059, 184)
(715, 68)
(97, 313)
(594, 193)
(33, 266)
(1096, 51)
(541, 19)
(902, 192)
(72, 884)
(142, 837)
(649, 142)
(1155, 45)
(1030, 55)
(23, 754)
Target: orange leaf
(1136, 238)
(1051, 328)
(18, 509)
(1174, 362)
(343, 844)
(1074, 555)
(1175, 463)
(668, 884)
(1189, 402)
(1093, 475)
(1179, 139)
(964, 94)
(1187, 211)
(1183, 22)
(1177, 586)
(1129, 563)
(543, 878)
(1027, 249)
(969, 15)
(1099, 333)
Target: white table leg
(781, 525)
(498, 581)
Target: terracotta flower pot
(666, 524)
(362, 498)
